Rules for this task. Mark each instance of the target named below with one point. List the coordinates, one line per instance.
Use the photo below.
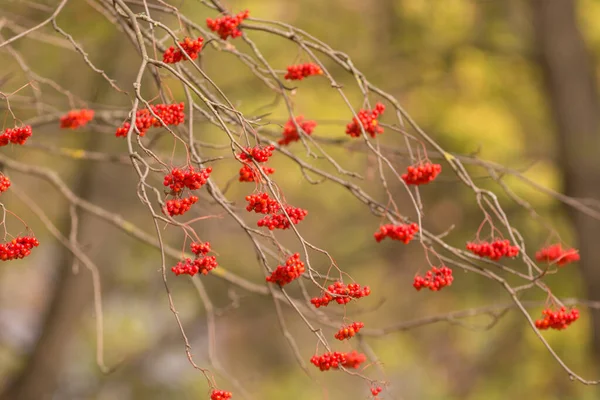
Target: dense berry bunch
(281, 221)
(220, 395)
(227, 26)
(284, 274)
(333, 360)
(180, 206)
(19, 247)
(494, 250)
(4, 183)
(369, 121)
(76, 118)
(435, 279)
(179, 179)
(200, 249)
(421, 174)
(557, 255)
(343, 294)
(192, 48)
(17, 135)
(375, 390)
(257, 153)
(346, 332)
(248, 173)
(557, 319)
(261, 203)
(290, 133)
(301, 71)
(201, 264)
(403, 232)
(171, 114)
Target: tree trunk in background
(573, 97)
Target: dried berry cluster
(558, 320)
(220, 395)
(192, 47)
(290, 133)
(404, 232)
(170, 114)
(494, 250)
(333, 360)
(555, 254)
(368, 119)
(346, 332)
(421, 174)
(227, 25)
(179, 179)
(263, 204)
(4, 183)
(76, 118)
(180, 206)
(285, 274)
(17, 135)
(201, 264)
(248, 172)
(434, 279)
(301, 71)
(19, 247)
(343, 294)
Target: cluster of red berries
(248, 172)
(76, 118)
(301, 71)
(228, 25)
(343, 294)
(17, 135)
(368, 119)
(179, 179)
(4, 183)
(333, 360)
(375, 390)
(281, 221)
(180, 206)
(557, 319)
(494, 250)
(192, 48)
(201, 264)
(284, 274)
(290, 133)
(220, 395)
(557, 255)
(346, 332)
(421, 174)
(404, 232)
(262, 203)
(434, 279)
(170, 114)
(19, 247)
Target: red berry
(4, 183)
(220, 395)
(494, 250)
(17, 135)
(19, 247)
(403, 232)
(170, 114)
(290, 133)
(333, 360)
(346, 332)
(180, 206)
(435, 279)
(227, 25)
(421, 174)
(557, 255)
(284, 274)
(178, 179)
(301, 71)
(192, 47)
(76, 118)
(343, 294)
(368, 119)
(559, 319)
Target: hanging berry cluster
(404, 232)
(494, 250)
(555, 254)
(263, 204)
(290, 133)
(4, 183)
(343, 294)
(421, 174)
(375, 390)
(170, 114)
(201, 264)
(248, 172)
(368, 119)
(346, 332)
(558, 320)
(180, 206)
(228, 25)
(76, 118)
(179, 179)
(192, 47)
(19, 247)
(434, 279)
(220, 395)
(333, 360)
(17, 135)
(284, 274)
(301, 71)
